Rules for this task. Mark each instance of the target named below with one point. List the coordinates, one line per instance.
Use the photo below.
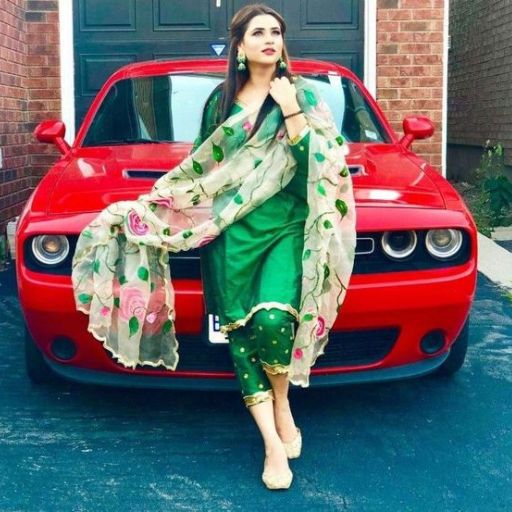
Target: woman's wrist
(290, 108)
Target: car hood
(96, 177)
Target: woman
(266, 191)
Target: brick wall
(410, 66)
(14, 139)
(29, 91)
(480, 73)
(43, 78)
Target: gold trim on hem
(264, 305)
(260, 396)
(275, 369)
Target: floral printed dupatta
(121, 274)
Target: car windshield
(168, 108)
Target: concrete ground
(416, 445)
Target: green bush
(493, 205)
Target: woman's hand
(284, 94)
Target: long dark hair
(236, 79)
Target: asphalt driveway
(416, 445)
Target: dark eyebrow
(262, 28)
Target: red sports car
(407, 308)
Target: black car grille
(345, 348)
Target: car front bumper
(101, 378)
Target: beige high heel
(293, 448)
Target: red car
(407, 308)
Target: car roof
(212, 64)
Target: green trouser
(263, 345)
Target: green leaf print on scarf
(84, 298)
(166, 329)
(133, 325)
(342, 207)
(310, 97)
(198, 168)
(320, 189)
(344, 172)
(319, 157)
(218, 154)
(96, 266)
(143, 273)
(228, 130)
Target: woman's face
(263, 41)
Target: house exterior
(480, 78)
(54, 56)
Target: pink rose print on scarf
(150, 319)
(135, 224)
(158, 312)
(247, 126)
(168, 202)
(132, 303)
(280, 134)
(206, 240)
(320, 329)
(297, 353)
(104, 311)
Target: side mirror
(416, 127)
(53, 132)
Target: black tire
(37, 369)
(457, 355)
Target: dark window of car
(168, 108)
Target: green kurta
(257, 261)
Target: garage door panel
(349, 60)
(114, 15)
(95, 69)
(182, 15)
(328, 14)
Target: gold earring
(241, 61)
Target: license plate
(214, 334)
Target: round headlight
(398, 244)
(443, 243)
(50, 249)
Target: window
(168, 108)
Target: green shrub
(493, 205)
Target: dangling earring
(241, 61)
(282, 64)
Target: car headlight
(443, 243)
(50, 249)
(399, 244)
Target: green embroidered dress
(257, 262)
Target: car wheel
(37, 369)
(457, 354)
